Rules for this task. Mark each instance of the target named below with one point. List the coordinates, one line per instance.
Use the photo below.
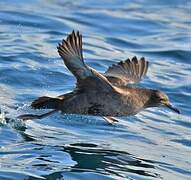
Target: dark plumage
(107, 94)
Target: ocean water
(154, 144)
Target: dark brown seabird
(108, 95)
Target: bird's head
(159, 98)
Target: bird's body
(107, 94)
(118, 102)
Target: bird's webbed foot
(110, 120)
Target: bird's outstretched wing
(127, 72)
(71, 52)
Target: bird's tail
(46, 103)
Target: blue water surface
(155, 144)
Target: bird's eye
(160, 99)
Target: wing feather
(71, 52)
(127, 72)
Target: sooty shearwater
(108, 95)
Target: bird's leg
(26, 117)
(109, 119)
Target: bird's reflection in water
(92, 158)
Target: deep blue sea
(154, 144)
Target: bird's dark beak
(171, 107)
